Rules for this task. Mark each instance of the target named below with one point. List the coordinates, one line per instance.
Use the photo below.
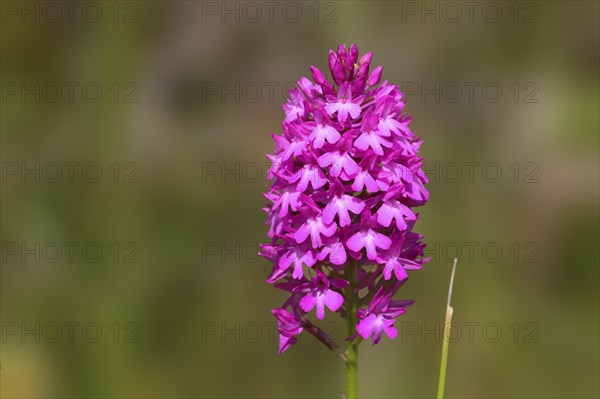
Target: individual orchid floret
(309, 175)
(320, 295)
(380, 317)
(285, 201)
(288, 327)
(341, 205)
(323, 131)
(315, 228)
(368, 238)
(344, 104)
(338, 163)
(295, 107)
(335, 252)
(395, 210)
(371, 137)
(298, 256)
(397, 260)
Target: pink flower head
(346, 177)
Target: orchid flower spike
(345, 178)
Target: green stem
(444, 362)
(352, 347)
(446, 343)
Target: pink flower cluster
(346, 175)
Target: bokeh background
(178, 293)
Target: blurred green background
(179, 135)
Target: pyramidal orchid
(345, 178)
